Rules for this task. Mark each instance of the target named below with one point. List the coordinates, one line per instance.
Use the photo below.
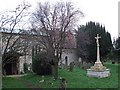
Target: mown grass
(8, 82)
(75, 79)
(80, 79)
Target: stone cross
(97, 39)
(98, 70)
(98, 53)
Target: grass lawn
(75, 79)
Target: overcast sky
(104, 12)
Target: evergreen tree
(116, 50)
(117, 43)
(92, 29)
(83, 41)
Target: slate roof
(70, 40)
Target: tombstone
(86, 65)
(63, 84)
(80, 59)
(71, 66)
(78, 62)
(30, 67)
(62, 65)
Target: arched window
(66, 60)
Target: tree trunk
(55, 71)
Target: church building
(15, 65)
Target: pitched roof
(70, 40)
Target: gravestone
(63, 66)
(71, 66)
(98, 70)
(30, 67)
(79, 62)
(86, 65)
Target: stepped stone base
(98, 70)
(98, 66)
(99, 74)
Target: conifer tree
(89, 31)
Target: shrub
(41, 65)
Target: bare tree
(10, 22)
(53, 21)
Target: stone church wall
(71, 56)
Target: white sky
(104, 12)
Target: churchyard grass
(75, 79)
(8, 82)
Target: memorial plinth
(98, 74)
(98, 67)
(98, 70)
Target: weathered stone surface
(98, 70)
(71, 66)
(98, 67)
(99, 74)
